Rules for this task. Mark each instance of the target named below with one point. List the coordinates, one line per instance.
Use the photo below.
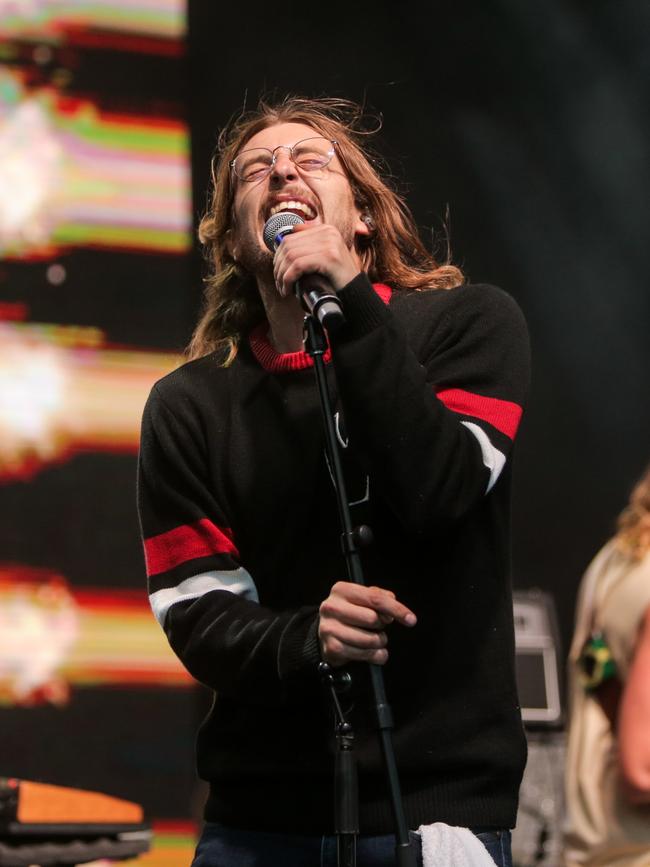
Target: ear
(365, 225)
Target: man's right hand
(353, 620)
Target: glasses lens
(313, 154)
(253, 163)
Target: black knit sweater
(242, 543)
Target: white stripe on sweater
(237, 581)
(493, 459)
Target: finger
(300, 227)
(381, 601)
(290, 267)
(320, 241)
(337, 653)
(357, 593)
(340, 609)
(386, 605)
(362, 639)
(300, 262)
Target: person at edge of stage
(608, 754)
(240, 524)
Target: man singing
(241, 531)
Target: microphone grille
(275, 224)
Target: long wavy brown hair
(633, 534)
(393, 253)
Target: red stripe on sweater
(501, 414)
(188, 542)
(384, 292)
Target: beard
(255, 260)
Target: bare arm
(634, 721)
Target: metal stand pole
(351, 538)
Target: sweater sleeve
(200, 591)
(433, 419)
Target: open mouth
(294, 206)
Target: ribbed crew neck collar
(283, 362)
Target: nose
(284, 168)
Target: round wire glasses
(309, 155)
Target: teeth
(293, 206)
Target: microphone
(312, 290)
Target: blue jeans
(220, 846)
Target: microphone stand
(346, 797)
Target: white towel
(448, 846)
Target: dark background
(529, 121)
